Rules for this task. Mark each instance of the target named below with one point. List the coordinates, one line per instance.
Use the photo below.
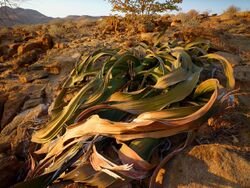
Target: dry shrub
(190, 19)
(243, 14)
(85, 22)
(133, 24)
(56, 30)
(4, 30)
(33, 28)
(232, 10)
(56, 21)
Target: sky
(62, 8)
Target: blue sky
(62, 8)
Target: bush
(56, 30)
(132, 24)
(232, 10)
(4, 30)
(189, 19)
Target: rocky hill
(13, 16)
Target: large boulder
(30, 115)
(27, 58)
(212, 165)
(242, 73)
(43, 43)
(15, 137)
(12, 107)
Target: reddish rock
(211, 165)
(33, 75)
(12, 107)
(27, 58)
(27, 47)
(43, 43)
(46, 41)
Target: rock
(27, 47)
(3, 99)
(46, 41)
(53, 69)
(12, 107)
(27, 58)
(36, 66)
(9, 170)
(34, 91)
(212, 165)
(33, 75)
(20, 143)
(60, 45)
(242, 73)
(42, 43)
(32, 103)
(233, 59)
(30, 115)
(41, 81)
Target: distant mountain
(16, 16)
